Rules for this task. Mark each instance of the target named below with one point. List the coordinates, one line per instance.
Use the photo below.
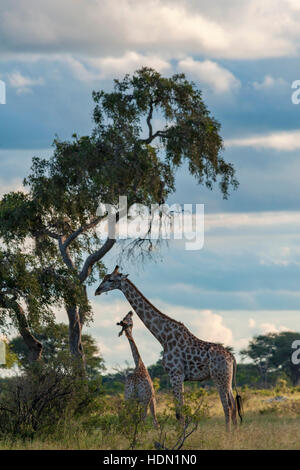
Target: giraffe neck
(156, 322)
(135, 352)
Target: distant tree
(60, 210)
(272, 353)
(247, 374)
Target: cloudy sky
(244, 55)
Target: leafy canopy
(125, 155)
(55, 341)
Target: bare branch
(156, 134)
(35, 347)
(152, 136)
(94, 258)
(149, 118)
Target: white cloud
(102, 28)
(251, 323)
(281, 140)
(107, 67)
(233, 220)
(210, 327)
(269, 82)
(23, 84)
(210, 73)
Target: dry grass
(267, 425)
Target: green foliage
(21, 280)
(29, 292)
(54, 339)
(189, 132)
(157, 371)
(156, 384)
(131, 424)
(247, 374)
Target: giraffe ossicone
(185, 357)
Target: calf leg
(153, 412)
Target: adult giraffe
(185, 356)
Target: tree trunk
(34, 345)
(75, 331)
(76, 317)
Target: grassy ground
(267, 425)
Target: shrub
(39, 398)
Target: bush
(37, 400)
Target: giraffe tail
(238, 398)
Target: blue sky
(244, 55)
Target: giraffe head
(126, 324)
(111, 281)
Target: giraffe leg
(153, 412)
(226, 403)
(177, 386)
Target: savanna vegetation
(48, 405)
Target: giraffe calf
(138, 385)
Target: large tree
(125, 155)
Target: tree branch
(149, 118)
(152, 136)
(65, 253)
(81, 230)
(94, 257)
(34, 346)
